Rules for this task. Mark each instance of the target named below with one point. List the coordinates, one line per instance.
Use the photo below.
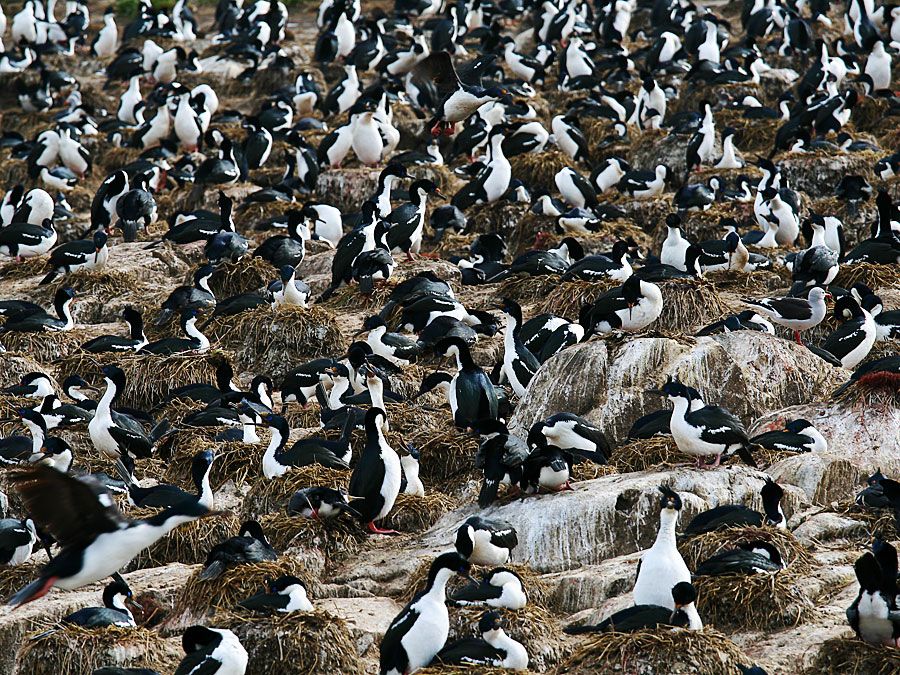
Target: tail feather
(488, 493)
(162, 429)
(213, 571)
(51, 275)
(32, 591)
(579, 630)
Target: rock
(591, 586)
(827, 527)
(749, 374)
(603, 518)
(367, 619)
(860, 440)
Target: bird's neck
(668, 518)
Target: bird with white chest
(661, 566)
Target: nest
(14, 578)
(641, 454)
(149, 378)
(588, 470)
(44, 346)
(106, 282)
(349, 297)
(198, 599)
(268, 340)
(689, 305)
(30, 267)
(466, 670)
(500, 216)
(852, 656)
(298, 642)
(412, 513)
(873, 276)
(186, 544)
(752, 601)
(272, 495)
(235, 460)
(246, 275)
(115, 158)
(79, 650)
(878, 522)
(445, 452)
(563, 298)
(336, 539)
(674, 652)
(538, 169)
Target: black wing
(438, 70)
(73, 510)
(393, 655)
(198, 663)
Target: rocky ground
(579, 549)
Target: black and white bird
(321, 503)
(32, 319)
(500, 587)
(750, 557)
(500, 457)
(163, 495)
(631, 307)
(277, 461)
(114, 433)
(661, 566)
(738, 515)
(519, 364)
(284, 594)
(115, 343)
(874, 615)
(455, 101)
(852, 341)
(216, 651)
(95, 539)
(640, 617)
(375, 481)
(248, 547)
(77, 255)
(22, 240)
(471, 393)
(113, 613)
(420, 630)
(494, 649)
(486, 542)
(707, 431)
(17, 538)
(797, 436)
(395, 347)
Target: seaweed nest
(79, 650)
(640, 454)
(107, 282)
(445, 451)
(751, 601)
(30, 267)
(186, 544)
(336, 538)
(149, 378)
(247, 274)
(44, 346)
(272, 495)
(500, 216)
(563, 298)
(672, 651)
(587, 470)
(198, 599)
(297, 642)
(877, 522)
(873, 276)
(14, 578)
(855, 657)
(412, 513)
(268, 340)
(689, 305)
(235, 460)
(538, 169)
(349, 297)
(466, 670)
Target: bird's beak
(135, 603)
(472, 579)
(440, 194)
